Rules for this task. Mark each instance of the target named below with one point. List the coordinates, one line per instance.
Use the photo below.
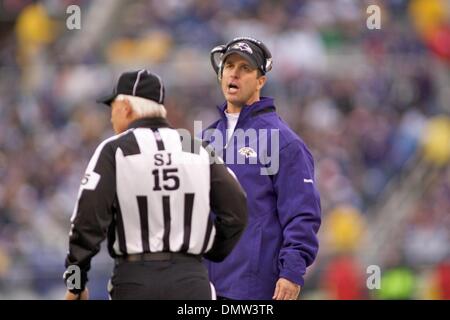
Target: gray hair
(144, 107)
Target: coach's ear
(261, 82)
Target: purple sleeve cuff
(293, 277)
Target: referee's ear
(128, 108)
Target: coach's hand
(286, 290)
(82, 296)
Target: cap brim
(107, 100)
(244, 55)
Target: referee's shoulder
(115, 141)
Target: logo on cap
(243, 47)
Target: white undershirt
(232, 119)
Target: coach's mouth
(233, 87)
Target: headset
(219, 51)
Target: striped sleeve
(229, 204)
(93, 211)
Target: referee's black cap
(141, 83)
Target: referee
(151, 194)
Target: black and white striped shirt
(148, 192)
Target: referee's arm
(92, 215)
(229, 203)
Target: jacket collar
(148, 122)
(265, 104)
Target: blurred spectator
(344, 229)
(436, 141)
(343, 279)
(397, 284)
(442, 278)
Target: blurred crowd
(369, 103)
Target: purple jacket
(283, 206)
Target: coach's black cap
(141, 83)
(249, 51)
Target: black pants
(181, 278)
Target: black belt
(156, 256)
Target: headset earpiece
(219, 73)
(215, 57)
